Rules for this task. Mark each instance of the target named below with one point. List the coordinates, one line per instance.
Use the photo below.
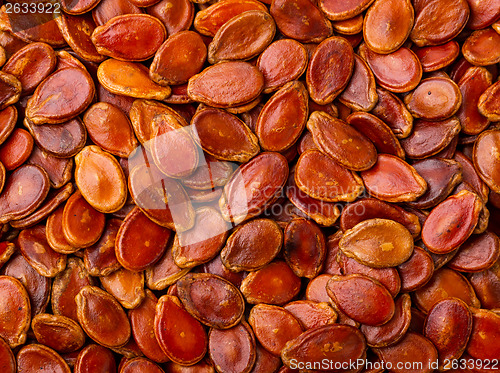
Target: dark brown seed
(416, 271)
(252, 245)
(478, 253)
(448, 326)
(232, 349)
(242, 37)
(441, 176)
(342, 142)
(304, 247)
(330, 69)
(211, 299)
(300, 20)
(347, 291)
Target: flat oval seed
(485, 330)
(377, 131)
(347, 291)
(416, 271)
(281, 62)
(478, 253)
(16, 149)
(51, 104)
(273, 284)
(108, 9)
(110, 128)
(393, 180)
(242, 37)
(59, 169)
(178, 59)
(226, 84)
(360, 93)
(142, 323)
(62, 140)
(482, 47)
(448, 326)
(472, 85)
(387, 25)
(273, 326)
(392, 331)
(94, 307)
(412, 349)
(445, 283)
(130, 37)
(451, 222)
(304, 247)
(339, 344)
(31, 65)
(173, 148)
(37, 252)
(224, 136)
(126, 286)
(252, 245)
(393, 112)
(439, 21)
(15, 311)
(333, 183)
(24, 191)
(283, 117)
(58, 332)
(37, 357)
(434, 99)
(437, 57)
(140, 364)
(342, 142)
(211, 299)
(430, 137)
(132, 250)
(174, 326)
(244, 196)
(233, 349)
(330, 69)
(82, 225)
(130, 79)
(100, 179)
(486, 165)
(95, 358)
(300, 20)
(441, 175)
(378, 243)
(398, 72)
